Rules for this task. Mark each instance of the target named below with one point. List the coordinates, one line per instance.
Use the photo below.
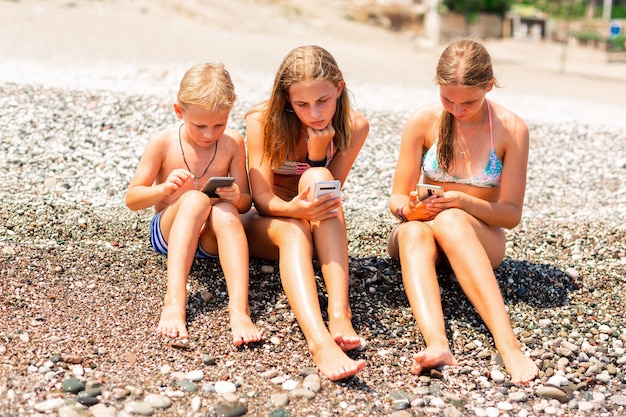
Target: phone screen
(326, 187)
(215, 182)
(426, 190)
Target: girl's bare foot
(347, 343)
(172, 323)
(334, 364)
(243, 330)
(521, 368)
(431, 358)
(342, 331)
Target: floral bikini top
(489, 178)
(290, 167)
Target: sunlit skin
(297, 226)
(162, 180)
(466, 223)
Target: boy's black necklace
(195, 177)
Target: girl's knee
(413, 231)
(451, 222)
(313, 175)
(410, 233)
(294, 231)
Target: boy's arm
(142, 192)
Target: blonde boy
(187, 223)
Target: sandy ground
(145, 46)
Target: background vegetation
(553, 8)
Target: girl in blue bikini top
(490, 177)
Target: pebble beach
(81, 288)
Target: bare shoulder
(427, 114)
(160, 141)
(162, 136)
(423, 120)
(233, 135)
(256, 113)
(512, 124)
(360, 122)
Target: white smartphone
(325, 187)
(213, 183)
(426, 190)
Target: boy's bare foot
(334, 364)
(243, 330)
(172, 323)
(431, 358)
(521, 368)
(342, 331)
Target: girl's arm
(507, 211)
(342, 162)
(238, 170)
(261, 177)
(409, 167)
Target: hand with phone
(332, 187)
(227, 190)
(322, 205)
(420, 204)
(425, 191)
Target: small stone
(303, 393)
(50, 405)
(605, 378)
(438, 402)
(618, 399)
(180, 343)
(280, 399)
(289, 385)
(585, 406)
(313, 382)
(557, 381)
(497, 376)
(73, 385)
(85, 398)
(552, 392)
(400, 400)
(452, 412)
(137, 407)
(279, 412)
(504, 406)
(208, 359)
(518, 396)
(196, 403)
(401, 413)
(230, 409)
(186, 385)
(72, 411)
(269, 374)
(223, 387)
(195, 375)
(157, 401)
